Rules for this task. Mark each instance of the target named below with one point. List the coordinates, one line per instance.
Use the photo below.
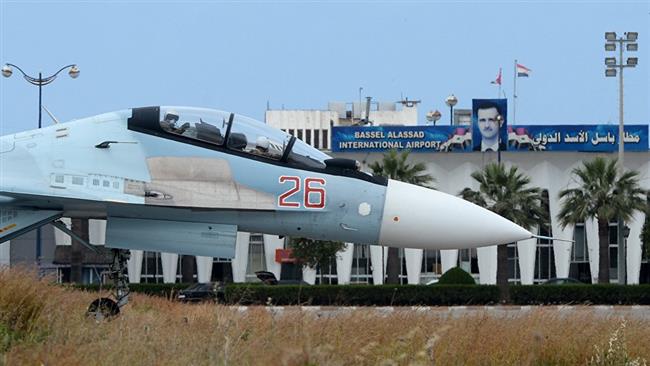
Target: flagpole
(514, 97)
(499, 95)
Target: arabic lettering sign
(596, 138)
(589, 138)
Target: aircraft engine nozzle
(418, 217)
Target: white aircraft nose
(418, 217)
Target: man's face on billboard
(488, 123)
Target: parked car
(563, 281)
(268, 278)
(203, 292)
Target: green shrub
(456, 276)
(399, 295)
(361, 295)
(580, 294)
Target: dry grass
(42, 323)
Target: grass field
(42, 323)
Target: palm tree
(604, 195)
(507, 193)
(394, 166)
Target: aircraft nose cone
(418, 217)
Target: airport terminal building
(364, 131)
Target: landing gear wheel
(107, 308)
(103, 308)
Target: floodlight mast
(612, 64)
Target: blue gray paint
(58, 168)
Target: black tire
(103, 308)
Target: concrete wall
(408, 116)
(306, 119)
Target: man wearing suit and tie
(490, 122)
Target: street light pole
(613, 65)
(451, 102)
(7, 71)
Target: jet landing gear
(105, 307)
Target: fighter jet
(185, 180)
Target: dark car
(268, 278)
(202, 292)
(563, 281)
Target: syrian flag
(498, 79)
(523, 71)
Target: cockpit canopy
(231, 132)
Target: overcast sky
(237, 56)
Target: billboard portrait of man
(489, 124)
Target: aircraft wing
(15, 221)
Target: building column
(97, 232)
(134, 266)
(240, 262)
(561, 248)
(555, 176)
(634, 248)
(169, 266)
(204, 269)
(378, 268)
(61, 238)
(309, 275)
(5, 253)
(413, 265)
(271, 243)
(448, 259)
(344, 264)
(591, 231)
(526, 251)
(487, 265)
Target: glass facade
(328, 273)
(361, 272)
(431, 265)
(468, 261)
(579, 267)
(151, 268)
(544, 261)
(256, 258)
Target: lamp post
(499, 123)
(612, 66)
(434, 116)
(451, 102)
(7, 71)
